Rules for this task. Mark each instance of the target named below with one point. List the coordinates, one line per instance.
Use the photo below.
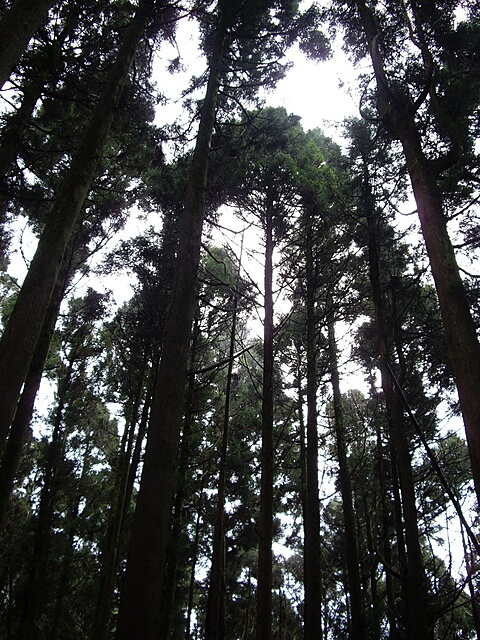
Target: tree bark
(23, 415)
(178, 516)
(196, 538)
(139, 613)
(380, 472)
(17, 27)
(38, 566)
(265, 525)
(460, 331)
(357, 615)
(312, 550)
(26, 320)
(65, 578)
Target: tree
(25, 322)
(415, 584)
(143, 584)
(64, 465)
(215, 616)
(245, 440)
(357, 610)
(232, 45)
(424, 92)
(17, 26)
(19, 430)
(317, 255)
(265, 191)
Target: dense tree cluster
(167, 470)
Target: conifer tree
(24, 324)
(17, 25)
(405, 102)
(242, 44)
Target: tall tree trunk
(312, 558)
(460, 332)
(178, 518)
(17, 27)
(178, 521)
(191, 586)
(26, 320)
(374, 621)
(469, 556)
(419, 620)
(21, 423)
(265, 525)
(399, 526)
(23, 415)
(139, 613)
(385, 532)
(215, 617)
(357, 621)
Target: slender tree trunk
(460, 332)
(122, 491)
(357, 620)
(64, 584)
(21, 423)
(65, 578)
(312, 558)
(35, 590)
(265, 525)
(418, 615)
(419, 620)
(178, 521)
(26, 320)
(374, 619)
(469, 555)
(169, 587)
(385, 537)
(17, 27)
(215, 617)
(139, 613)
(191, 587)
(399, 527)
(302, 430)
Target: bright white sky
(318, 92)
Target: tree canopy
(240, 380)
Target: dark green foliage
(78, 477)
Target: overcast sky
(319, 92)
